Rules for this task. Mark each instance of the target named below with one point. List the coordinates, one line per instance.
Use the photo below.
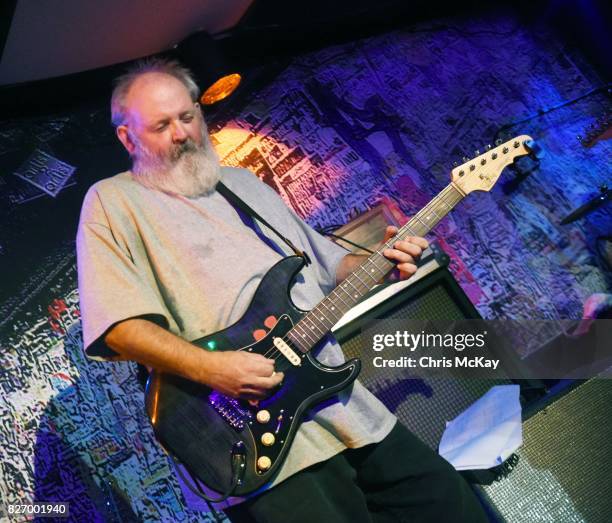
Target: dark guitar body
(202, 436)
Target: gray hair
(141, 67)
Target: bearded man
(164, 258)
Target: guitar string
(441, 197)
(274, 353)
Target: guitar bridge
(230, 410)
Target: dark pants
(399, 479)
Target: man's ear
(124, 137)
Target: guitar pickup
(287, 351)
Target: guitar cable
(327, 231)
(238, 457)
(350, 242)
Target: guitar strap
(235, 200)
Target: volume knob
(263, 416)
(264, 463)
(268, 439)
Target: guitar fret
(430, 208)
(331, 310)
(406, 230)
(444, 199)
(375, 280)
(321, 316)
(309, 326)
(416, 217)
(348, 282)
(305, 342)
(356, 276)
(340, 298)
(295, 330)
(315, 324)
(386, 263)
(305, 333)
(297, 341)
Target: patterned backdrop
(334, 133)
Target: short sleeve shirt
(192, 265)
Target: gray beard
(189, 170)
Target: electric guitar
(235, 448)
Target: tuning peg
(498, 141)
(476, 153)
(488, 147)
(535, 151)
(455, 164)
(465, 159)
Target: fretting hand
(405, 253)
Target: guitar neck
(319, 321)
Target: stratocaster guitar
(235, 448)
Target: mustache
(178, 150)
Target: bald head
(124, 83)
(155, 97)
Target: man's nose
(179, 134)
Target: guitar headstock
(481, 173)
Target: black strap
(234, 199)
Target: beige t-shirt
(193, 266)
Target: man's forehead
(153, 95)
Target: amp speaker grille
(424, 405)
(564, 469)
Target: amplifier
(424, 405)
(563, 471)
(563, 468)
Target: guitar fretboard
(318, 322)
